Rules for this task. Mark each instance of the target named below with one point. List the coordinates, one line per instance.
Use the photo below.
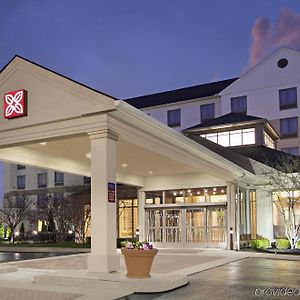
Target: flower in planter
(137, 245)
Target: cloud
(266, 36)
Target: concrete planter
(138, 262)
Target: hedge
(260, 243)
(282, 244)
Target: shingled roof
(183, 94)
(231, 118)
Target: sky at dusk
(128, 48)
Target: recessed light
(214, 189)
(198, 193)
(189, 190)
(43, 143)
(124, 165)
(88, 155)
(150, 172)
(222, 191)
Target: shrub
(282, 244)
(260, 243)
(298, 244)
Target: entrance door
(187, 227)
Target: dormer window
(239, 105)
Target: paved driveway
(249, 278)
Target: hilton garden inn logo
(15, 104)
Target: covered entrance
(71, 128)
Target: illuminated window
(232, 138)
(127, 218)
(268, 141)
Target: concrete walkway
(67, 277)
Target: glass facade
(185, 216)
(127, 211)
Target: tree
(15, 210)
(80, 214)
(284, 184)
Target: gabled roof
(236, 158)
(56, 73)
(231, 118)
(183, 94)
(267, 156)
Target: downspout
(237, 212)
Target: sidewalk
(67, 277)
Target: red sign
(15, 104)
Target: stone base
(103, 263)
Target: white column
(141, 210)
(230, 192)
(103, 257)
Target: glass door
(173, 219)
(215, 226)
(196, 225)
(155, 225)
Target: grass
(40, 244)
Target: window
(239, 105)
(207, 112)
(86, 180)
(291, 150)
(174, 117)
(20, 167)
(42, 180)
(21, 182)
(288, 98)
(289, 127)
(58, 178)
(232, 138)
(268, 141)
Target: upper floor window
(42, 180)
(239, 105)
(289, 127)
(20, 167)
(174, 117)
(207, 112)
(58, 178)
(288, 98)
(232, 138)
(21, 182)
(291, 150)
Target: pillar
(103, 257)
(141, 214)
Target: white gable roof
(51, 97)
(267, 73)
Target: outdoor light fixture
(222, 191)
(198, 193)
(214, 189)
(34, 232)
(17, 233)
(181, 192)
(189, 190)
(70, 231)
(174, 194)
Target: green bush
(260, 243)
(298, 244)
(282, 244)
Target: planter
(138, 262)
